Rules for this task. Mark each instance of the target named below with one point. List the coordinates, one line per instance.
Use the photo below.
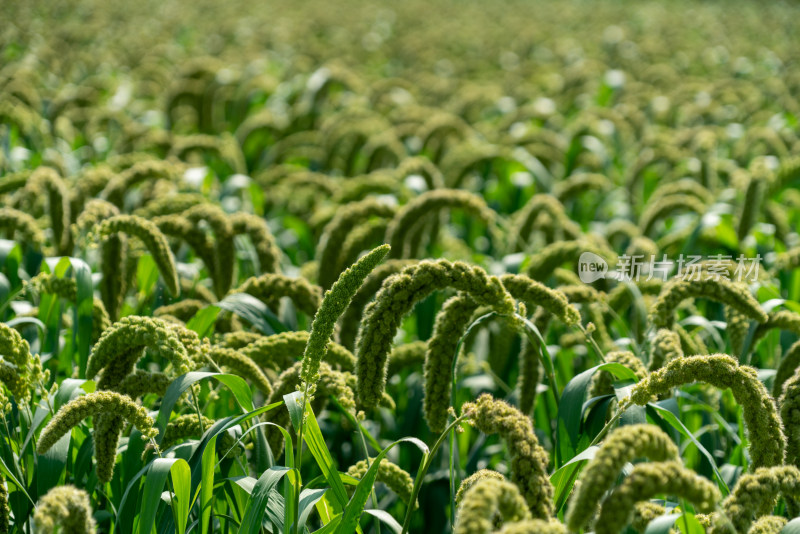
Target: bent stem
(593, 343)
(535, 337)
(623, 405)
(426, 464)
(299, 459)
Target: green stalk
(426, 464)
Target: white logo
(591, 267)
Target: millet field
(446, 266)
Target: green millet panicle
(533, 293)
(684, 186)
(241, 365)
(789, 260)
(737, 296)
(620, 230)
(542, 264)
(16, 384)
(430, 202)
(114, 282)
(578, 183)
(623, 445)
(180, 228)
(65, 509)
(473, 479)
(5, 511)
(406, 356)
(240, 339)
(13, 348)
(67, 288)
(529, 460)
(10, 182)
(183, 309)
(781, 319)
(786, 369)
(46, 181)
(777, 215)
(256, 228)
(124, 342)
(336, 231)
(139, 172)
(666, 206)
(149, 234)
(19, 370)
(23, 225)
(331, 382)
(451, 324)
(362, 237)
(737, 326)
(666, 346)
(525, 217)
(139, 383)
(490, 503)
(170, 205)
(751, 205)
(224, 251)
(530, 370)
(93, 404)
(351, 318)
(336, 301)
(768, 524)
(397, 298)
(645, 482)
(602, 383)
(789, 404)
(755, 495)
(280, 351)
(187, 426)
(539, 526)
(643, 513)
(270, 287)
(95, 211)
(691, 344)
(621, 297)
(396, 478)
(195, 347)
(421, 166)
(761, 420)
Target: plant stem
(426, 463)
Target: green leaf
(356, 505)
(204, 321)
(52, 465)
(308, 500)
(203, 460)
(83, 307)
(146, 274)
(259, 498)
(688, 524)
(11, 478)
(563, 479)
(792, 527)
(254, 311)
(535, 337)
(316, 444)
(387, 519)
(331, 525)
(676, 423)
(239, 388)
(662, 525)
(570, 409)
(154, 485)
(69, 389)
